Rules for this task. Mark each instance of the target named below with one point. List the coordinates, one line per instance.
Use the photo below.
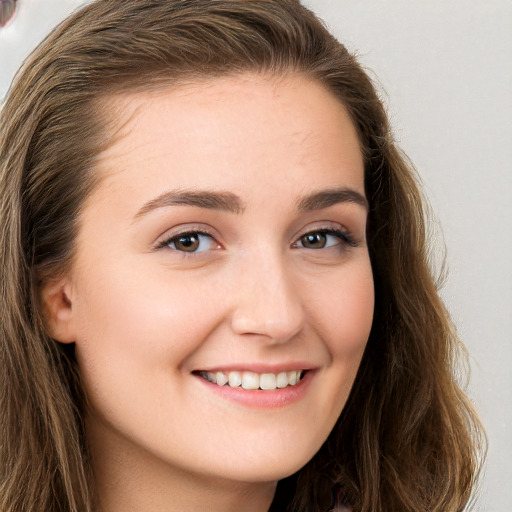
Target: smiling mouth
(252, 380)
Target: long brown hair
(407, 439)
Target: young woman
(215, 293)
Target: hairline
(113, 100)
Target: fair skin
(226, 238)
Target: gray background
(445, 71)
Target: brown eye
(188, 243)
(191, 242)
(314, 240)
(324, 239)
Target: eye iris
(314, 240)
(187, 243)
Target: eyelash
(344, 237)
(174, 238)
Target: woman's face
(224, 242)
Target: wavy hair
(408, 438)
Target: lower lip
(259, 398)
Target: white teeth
(268, 381)
(221, 378)
(252, 380)
(234, 379)
(293, 377)
(282, 380)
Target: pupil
(188, 242)
(314, 241)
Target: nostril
(7, 11)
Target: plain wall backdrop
(444, 68)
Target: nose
(267, 302)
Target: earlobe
(58, 310)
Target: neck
(129, 479)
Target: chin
(271, 466)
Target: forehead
(227, 129)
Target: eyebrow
(227, 201)
(211, 200)
(326, 198)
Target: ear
(58, 310)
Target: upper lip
(258, 367)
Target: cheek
(345, 312)
(342, 318)
(134, 324)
